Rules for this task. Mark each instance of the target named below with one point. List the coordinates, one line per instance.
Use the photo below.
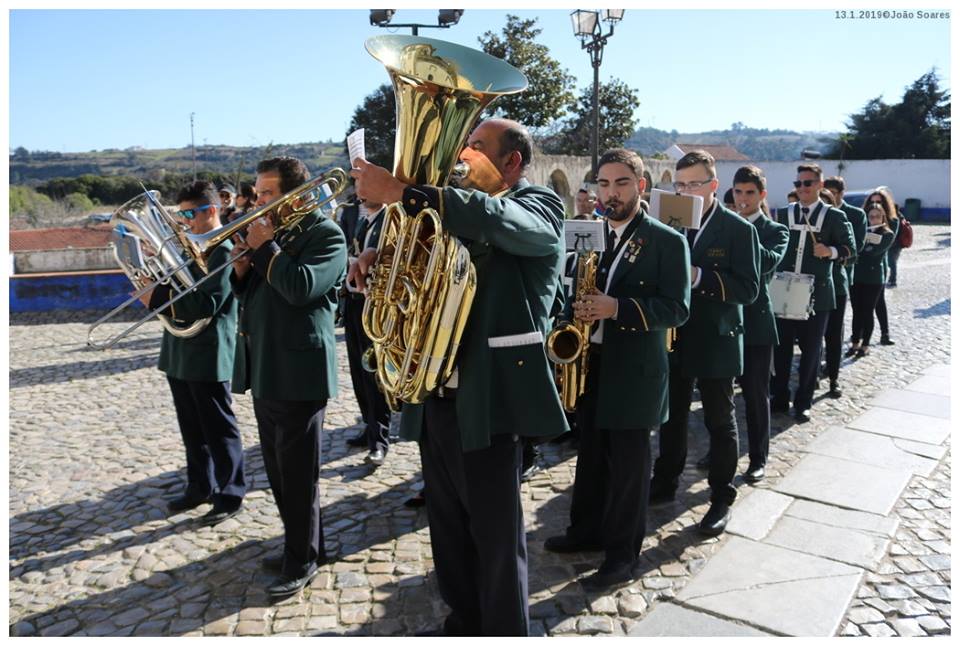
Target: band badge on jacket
(634, 247)
(716, 252)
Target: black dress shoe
(284, 586)
(862, 351)
(835, 392)
(358, 440)
(715, 520)
(416, 501)
(779, 407)
(661, 496)
(272, 563)
(802, 415)
(219, 513)
(885, 340)
(376, 457)
(185, 503)
(609, 575)
(703, 464)
(565, 545)
(852, 351)
(753, 474)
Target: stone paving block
(671, 620)
(837, 517)
(844, 483)
(878, 450)
(739, 581)
(835, 543)
(913, 402)
(903, 424)
(755, 515)
(932, 384)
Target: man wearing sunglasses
(819, 237)
(286, 356)
(725, 276)
(198, 370)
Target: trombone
(175, 249)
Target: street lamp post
(586, 27)
(446, 18)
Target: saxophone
(568, 343)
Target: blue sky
(89, 80)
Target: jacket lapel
(709, 233)
(632, 249)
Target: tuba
(568, 343)
(422, 285)
(154, 249)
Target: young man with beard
(759, 324)
(725, 274)
(819, 237)
(643, 290)
(469, 431)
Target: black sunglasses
(806, 182)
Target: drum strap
(803, 229)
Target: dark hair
(247, 191)
(200, 192)
(836, 183)
(728, 197)
(516, 137)
(583, 190)
(793, 194)
(810, 168)
(750, 175)
(828, 197)
(889, 205)
(623, 156)
(292, 171)
(695, 157)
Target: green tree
(618, 101)
(377, 115)
(916, 128)
(550, 87)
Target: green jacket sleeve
(318, 267)
(840, 236)
(871, 251)
(773, 244)
(739, 284)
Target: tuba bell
(423, 282)
(153, 248)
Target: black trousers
(881, 309)
(476, 526)
(290, 441)
(809, 334)
(834, 337)
(721, 422)
(373, 405)
(755, 387)
(211, 439)
(612, 481)
(865, 298)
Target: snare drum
(791, 295)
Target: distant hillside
(757, 143)
(35, 168)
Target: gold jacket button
(413, 201)
(520, 363)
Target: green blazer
(728, 255)
(759, 324)
(207, 356)
(651, 283)
(505, 381)
(841, 281)
(871, 267)
(834, 232)
(858, 220)
(287, 348)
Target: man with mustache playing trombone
(468, 433)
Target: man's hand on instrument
(595, 307)
(241, 264)
(821, 250)
(359, 270)
(375, 184)
(259, 232)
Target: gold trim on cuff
(646, 326)
(723, 291)
(270, 266)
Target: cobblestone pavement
(95, 450)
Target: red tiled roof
(63, 238)
(719, 152)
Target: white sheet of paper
(584, 235)
(676, 210)
(873, 238)
(355, 146)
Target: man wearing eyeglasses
(286, 356)
(199, 368)
(725, 276)
(842, 281)
(819, 237)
